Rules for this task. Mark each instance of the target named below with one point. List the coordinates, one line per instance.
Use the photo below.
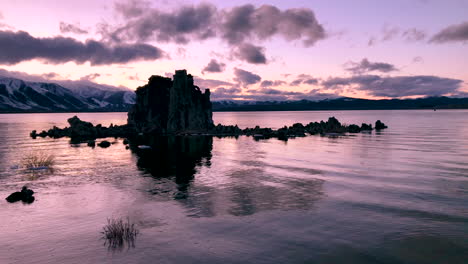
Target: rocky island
(176, 106)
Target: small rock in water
(367, 127)
(91, 143)
(104, 144)
(379, 125)
(25, 195)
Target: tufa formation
(168, 106)
(176, 106)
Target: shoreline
(248, 111)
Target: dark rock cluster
(330, 127)
(81, 131)
(166, 106)
(25, 195)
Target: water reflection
(172, 156)
(251, 185)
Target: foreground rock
(25, 195)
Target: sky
(244, 50)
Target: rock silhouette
(166, 106)
(25, 195)
(176, 106)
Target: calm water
(398, 196)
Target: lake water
(396, 196)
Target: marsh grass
(38, 160)
(118, 232)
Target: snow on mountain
(21, 96)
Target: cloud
(304, 79)
(268, 83)
(398, 86)
(51, 76)
(389, 32)
(180, 26)
(90, 77)
(453, 33)
(199, 22)
(366, 66)
(246, 22)
(131, 8)
(20, 46)
(214, 66)
(70, 28)
(251, 54)
(418, 59)
(414, 34)
(208, 83)
(1, 16)
(246, 78)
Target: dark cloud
(70, 28)
(304, 79)
(251, 54)
(268, 83)
(246, 78)
(458, 32)
(245, 22)
(398, 86)
(131, 8)
(209, 83)
(199, 22)
(180, 26)
(20, 46)
(414, 34)
(51, 75)
(90, 77)
(365, 66)
(214, 66)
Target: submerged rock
(91, 143)
(379, 125)
(104, 144)
(25, 195)
(367, 127)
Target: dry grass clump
(38, 160)
(118, 232)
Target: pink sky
(330, 48)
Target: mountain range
(344, 103)
(24, 96)
(19, 96)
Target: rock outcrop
(166, 106)
(25, 195)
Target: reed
(117, 232)
(38, 160)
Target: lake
(395, 196)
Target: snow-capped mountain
(22, 96)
